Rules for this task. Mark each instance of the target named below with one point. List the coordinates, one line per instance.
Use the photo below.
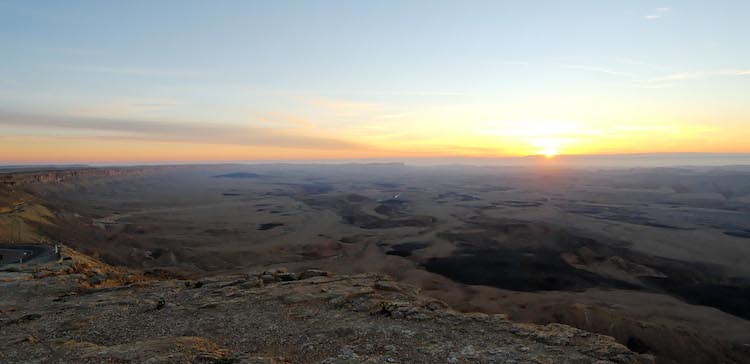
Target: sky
(199, 81)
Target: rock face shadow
(406, 249)
(518, 271)
(269, 225)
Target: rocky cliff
(77, 309)
(11, 178)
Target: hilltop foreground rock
(80, 310)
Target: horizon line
(540, 157)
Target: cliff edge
(77, 309)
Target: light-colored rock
(310, 273)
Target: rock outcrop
(80, 310)
(61, 175)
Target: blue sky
(445, 74)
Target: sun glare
(549, 152)
(548, 147)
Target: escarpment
(13, 178)
(77, 309)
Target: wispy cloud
(694, 75)
(166, 131)
(657, 13)
(395, 115)
(420, 93)
(602, 70)
(285, 120)
(648, 75)
(736, 73)
(641, 64)
(678, 77)
(128, 107)
(514, 63)
(345, 108)
(131, 71)
(62, 50)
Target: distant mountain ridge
(238, 175)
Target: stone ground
(79, 310)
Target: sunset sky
(146, 81)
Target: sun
(548, 147)
(549, 152)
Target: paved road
(37, 253)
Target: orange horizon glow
(51, 151)
(378, 133)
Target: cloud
(345, 108)
(564, 131)
(642, 65)
(128, 107)
(165, 131)
(284, 119)
(694, 75)
(395, 115)
(678, 77)
(657, 13)
(131, 71)
(664, 80)
(737, 73)
(420, 93)
(602, 70)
